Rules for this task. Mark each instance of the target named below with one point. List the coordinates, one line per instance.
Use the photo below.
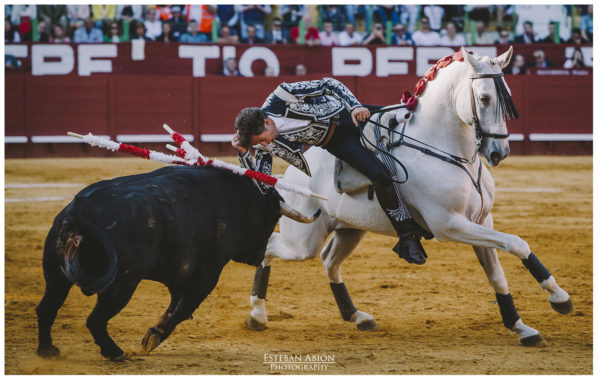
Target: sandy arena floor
(440, 318)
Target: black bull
(177, 225)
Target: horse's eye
(485, 99)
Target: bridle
(479, 133)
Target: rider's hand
(236, 145)
(359, 114)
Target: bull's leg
(175, 297)
(183, 310)
(462, 230)
(109, 303)
(488, 258)
(338, 248)
(57, 289)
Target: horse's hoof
(533, 341)
(254, 325)
(151, 340)
(368, 325)
(121, 358)
(50, 351)
(563, 307)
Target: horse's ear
(504, 59)
(470, 59)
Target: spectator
(77, 14)
(164, 12)
(167, 34)
(193, 36)
(518, 66)
(103, 14)
(300, 70)
(576, 37)
(586, 24)
(58, 36)
(425, 36)
(409, 13)
(435, 14)
(327, 36)
(11, 62)
(88, 33)
(376, 36)
(269, 72)
(113, 33)
(178, 22)
(539, 59)
(349, 37)
(386, 12)
(10, 32)
(203, 15)
(336, 15)
(52, 14)
(481, 36)
(528, 36)
(42, 32)
(312, 37)
(254, 15)
(21, 17)
(153, 26)
(353, 11)
(230, 68)
(129, 12)
(551, 38)
(277, 35)
(576, 60)
(140, 32)
(226, 36)
(503, 38)
(228, 15)
(252, 37)
(479, 12)
(452, 38)
(291, 15)
(401, 36)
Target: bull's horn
(289, 212)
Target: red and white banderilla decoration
(190, 156)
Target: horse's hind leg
(488, 258)
(109, 303)
(57, 289)
(338, 248)
(462, 230)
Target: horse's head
(484, 102)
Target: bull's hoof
(533, 341)
(124, 356)
(368, 325)
(151, 340)
(563, 307)
(254, 325)
(50, 351)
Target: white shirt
(458, 41)
(153, 28)
(344, 39)
(328, 40)
(426, 39)
(284, 124)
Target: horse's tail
(90, 259)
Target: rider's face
(270, 133)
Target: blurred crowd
(311, 25)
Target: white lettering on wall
(386, 60)
(39, 53)
(87, 63)
(427, 56)
(340, 56)
(255, 53)
(199, 54)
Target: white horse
(441, 196)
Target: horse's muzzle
(495, 150)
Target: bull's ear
(470, 59)
(504, 59)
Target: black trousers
(345, 144)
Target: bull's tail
(90, 259)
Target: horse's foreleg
(338, 248)
(462, 230)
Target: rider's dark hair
(249, 122)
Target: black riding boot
(409, 246)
